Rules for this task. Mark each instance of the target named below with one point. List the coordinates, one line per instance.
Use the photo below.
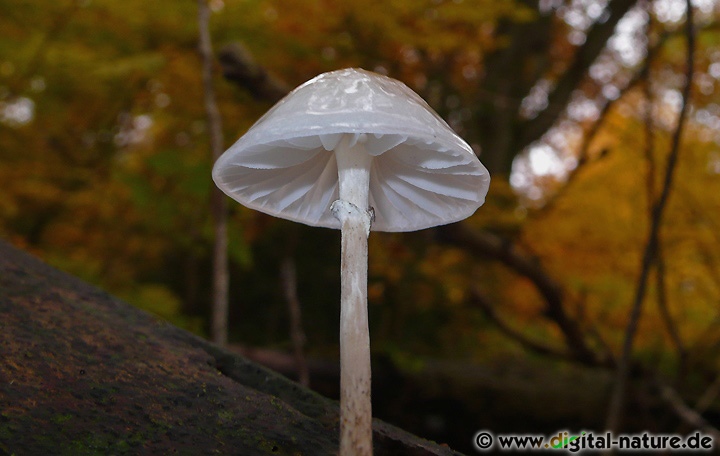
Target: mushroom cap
(422, 173)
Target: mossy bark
(84, 373)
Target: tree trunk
(218, 329)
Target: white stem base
(355, 406)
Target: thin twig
(685, 413)
(288, 278)
(663, 307)
(479, 300)
(558, 98)
(708, 397)
(618, 397)
(486, 244)
(583, 156)
(660, 284)
(605, 352)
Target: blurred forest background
(597, 251)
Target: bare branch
(583, 157)
(685, 413)
(479, 300)
(670, 326)
(708, 397)
(487, 245)
(239, 66)
(651, 248)
(595, 42)
(660, 285)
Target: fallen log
(83, 373)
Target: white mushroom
(358, 151)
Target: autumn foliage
(105, 170)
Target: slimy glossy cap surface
(422, 173)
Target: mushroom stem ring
(343, 210)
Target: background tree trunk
(219, 322)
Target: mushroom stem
(351, 210)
